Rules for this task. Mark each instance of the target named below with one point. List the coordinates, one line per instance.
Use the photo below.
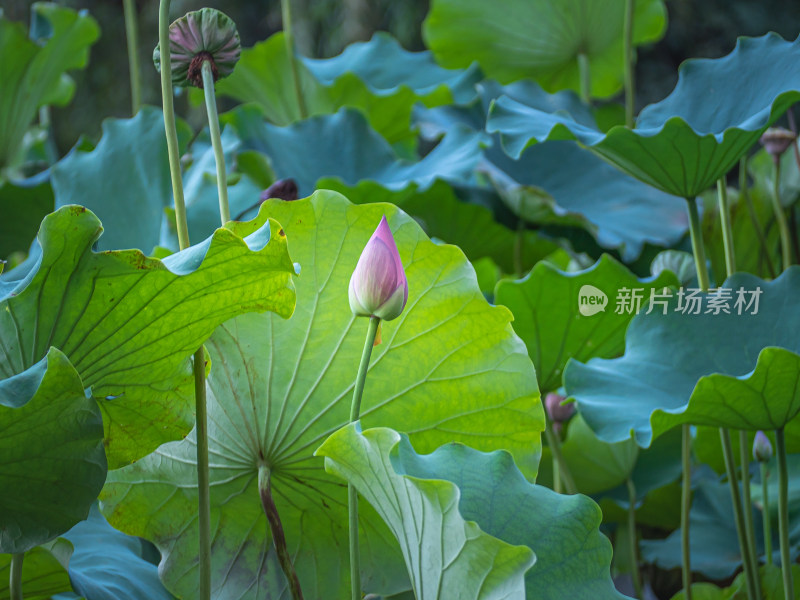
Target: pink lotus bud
(558, 413)
(378, 286)
(762, 449)
(201, 35)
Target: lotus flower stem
(276, 527)
(747, 504)
(132, 35)
(730, 467)
(744, 193)
(288, 37)
(727, 232)
(204, 504)
(629, 62)
(632, 539)
(352, 494)
(560, 465)
(698, 249)
(686, 505)
(765, 513)
(585, 74)
(15, 577)
(216, 141)
(780, 217)
(783, 514)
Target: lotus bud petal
(201, 35)
(762, 449)
(558, 413)
(378, 286)
(776, 140)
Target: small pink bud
(378, 286)
(762, 449)
(558, 413)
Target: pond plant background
(589, 389)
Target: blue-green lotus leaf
(723, 370)
(684, 143)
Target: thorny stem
(276, 527)
(15, 577)
(555, 448)
(686, 505)
(730, 468)
(132, 35)
(727, 233)
(216, 141)
(765, 515)
(352, 494)
(744, 193)
(585, 74)
(783, 514)
(288, 36)
(747, 504)
(204, 507)
(629, 63)
(780, 217)
(634, 545)
(697, 244)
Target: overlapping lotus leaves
(446, 554)
(343, 145)
(378, 77)
(44, 571)
(547, 317)
(128, 323)
(723, 370)
(684, 143)
(278, 389)
(34, 75)
(541, 39)
(429, 501)
(51, 440)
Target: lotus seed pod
(762, 449)
(378, 286)
(201, 35)
(776, 140)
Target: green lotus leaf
(278, 389)
(128, 323)
(547, 315)
(33, 74)
(684, 143)
(378, 77)
(343, 145)
(44, 571)
(429, 501)
(135, 151)
(23, 205)
(51, 440)
(770, 576)
(541, 39)
(723, 370)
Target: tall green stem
(730, 467)
(204, 504)
(288, 37)
(132, 35)
(727, 231)
(629, 63)
(783, 515)
(15, 577)
(698, 249)
(747, 503)
(634, 545)
(276, 527)
(585, 74)
(686, 505)
(765, 516)
(352, 494)
(780, 217)
(555, 448)
(744, 193)
(216, 141)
